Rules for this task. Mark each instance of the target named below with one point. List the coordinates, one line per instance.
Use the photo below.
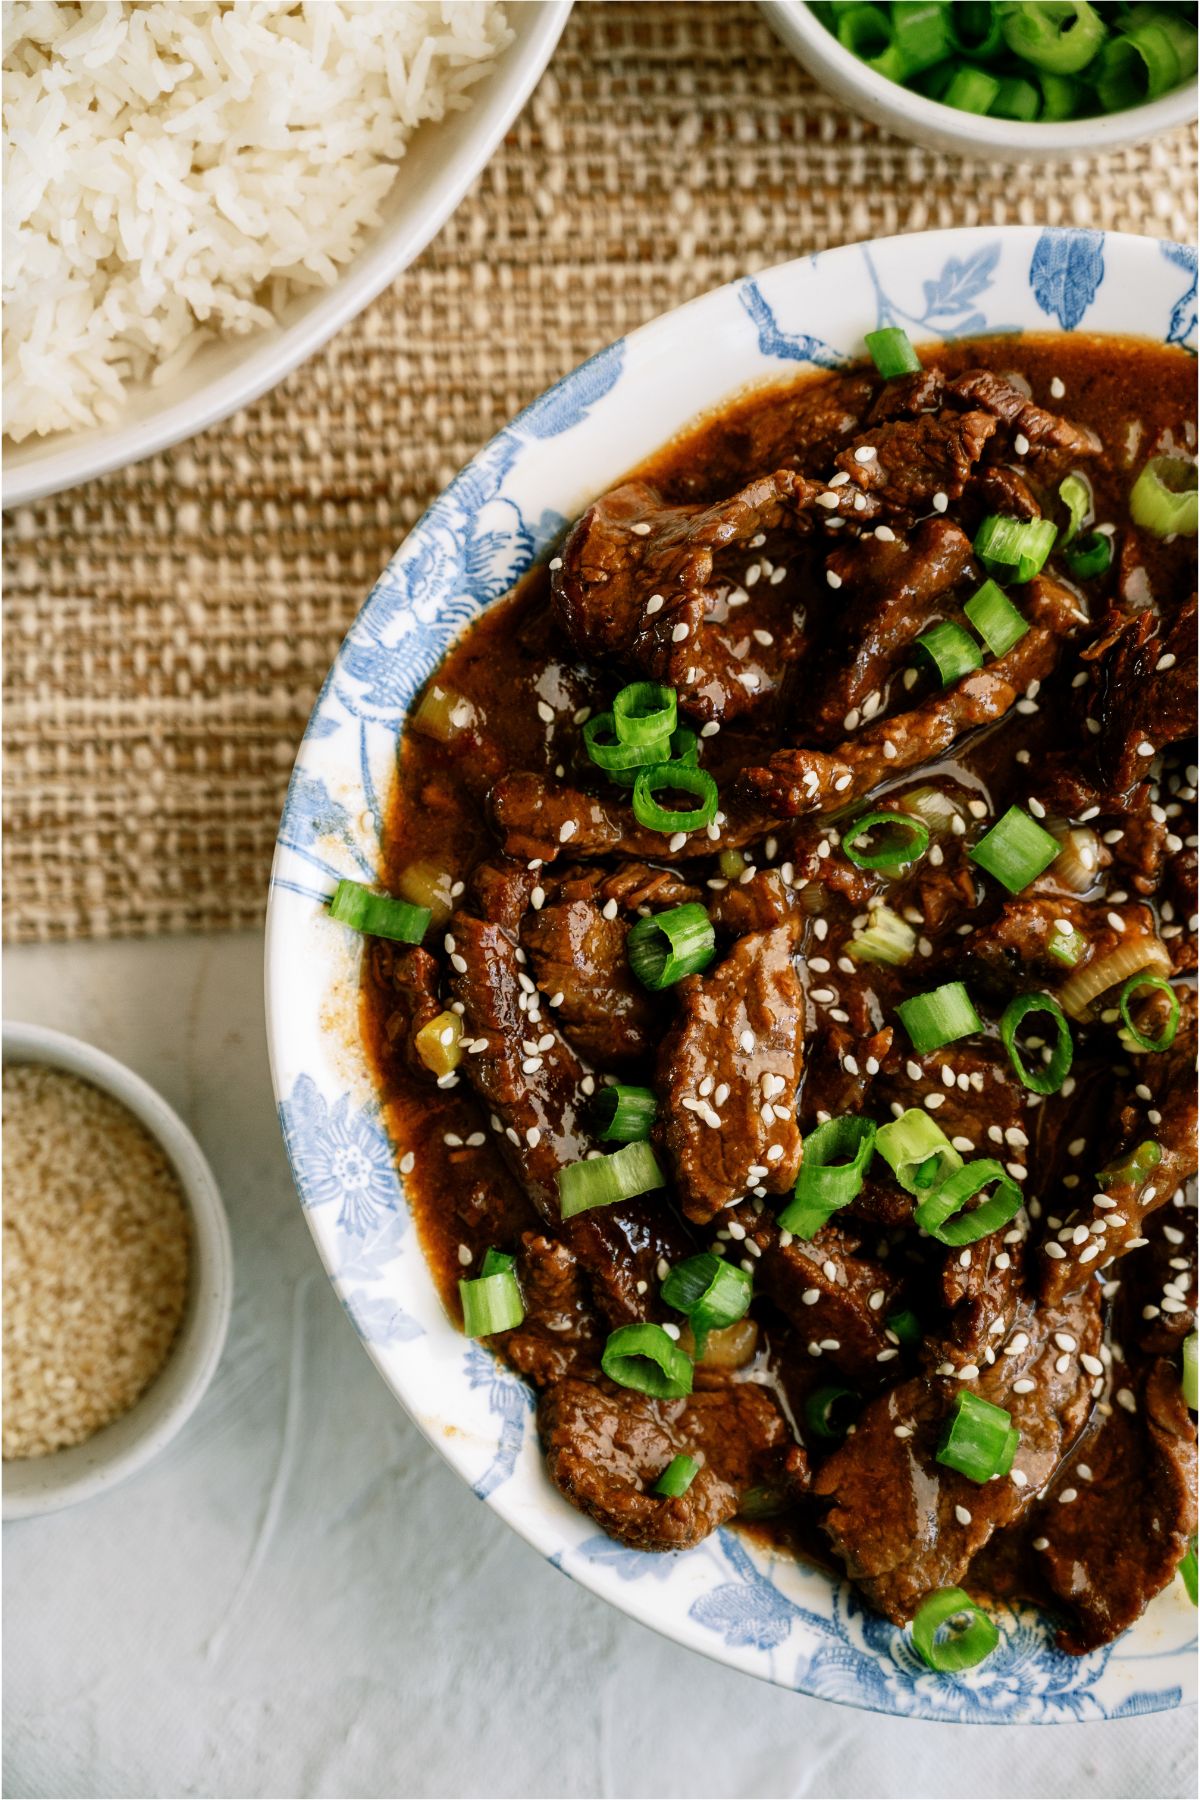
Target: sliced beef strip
(1134, 700)
(1112, 1537)
(905, 396)
(1164, 1270)
(560, 1334)
(841, 1061)
(410, 978)
(834, 1293)
(981, 1288)
(796, 781)
(911, 460)
(607, 1446)
(887, 593)
(1003, 490)
(539, 1102)
(904, 1524)
(728, 1071)
(1016, 947)
(577, 952)
(1046, 431)
(649, 586)
(1110, 1222)
(753, 904)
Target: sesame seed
(1067, 1495)
(545, 713)
(940, 501)
(1055, 1252)
(833, 578)
(746, 1040)
(641, 529)
(962, 1515)
(887, 1355)
(810, 1296)
(1126, 1398)
(902, 1431)
(865, 453)
(1019, 1478)
(968, 1372)
(1024, 1386)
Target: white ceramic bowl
(729, 1598)
(440, 164)
(944, 127)
(47, 1483)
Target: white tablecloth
(301, 1599)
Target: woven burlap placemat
(167, 628)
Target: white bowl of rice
(197, 197)
(118, 1272)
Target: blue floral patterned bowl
(728, 1598)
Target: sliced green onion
(1066, 947)
(496, 1262)
(887, 938)
(893, 856)
(712, 1292)
(378, 915)
(1167, 1035)
(864, 30)
(1061, 96)
(602, 1180)
(1134, 1168)
(1076, 496)
(906, 1327)
(644, 712)
(1187, 1568)
(1049, 1079)
(680, 747)
(1164, 497)
(892, 353)
(681, 778)
(933, 806)
(624, 1115)
(976, 1438)
(829, 1410)
(942, 1215)
(996, 619)
(1059, 35)
(941, 1016)
(968, 1646)
(1015, 547)
(952, 650)
(1189, 1369)
(975, 28)
(832, 1168)
(1016, 850)
(669, 945)
(1090, 556)
(491, 1303)
(1017, 99)
(609, 753)
(918, 1152)
(1138, 66)
(921, 35)
(972, 90)
(644, 1358)
(677, 1477)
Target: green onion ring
(1167, 1035)
(900, 856)
(1050, 1079)
(942, 1215)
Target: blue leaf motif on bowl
(951, 298)
(791, 346)
(570, 400)
(627, 1564)
(511, 1401)
(1066, 272)
(1182, 327)
(367, 1257)
(338, 1152)
(378, 1320)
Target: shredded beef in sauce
(776, 568)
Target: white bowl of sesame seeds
(118, 1272)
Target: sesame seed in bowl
(117, 1272)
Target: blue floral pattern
(728, 1597)
(1066, 272)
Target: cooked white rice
(178, 171)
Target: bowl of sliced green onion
(1002, 78)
